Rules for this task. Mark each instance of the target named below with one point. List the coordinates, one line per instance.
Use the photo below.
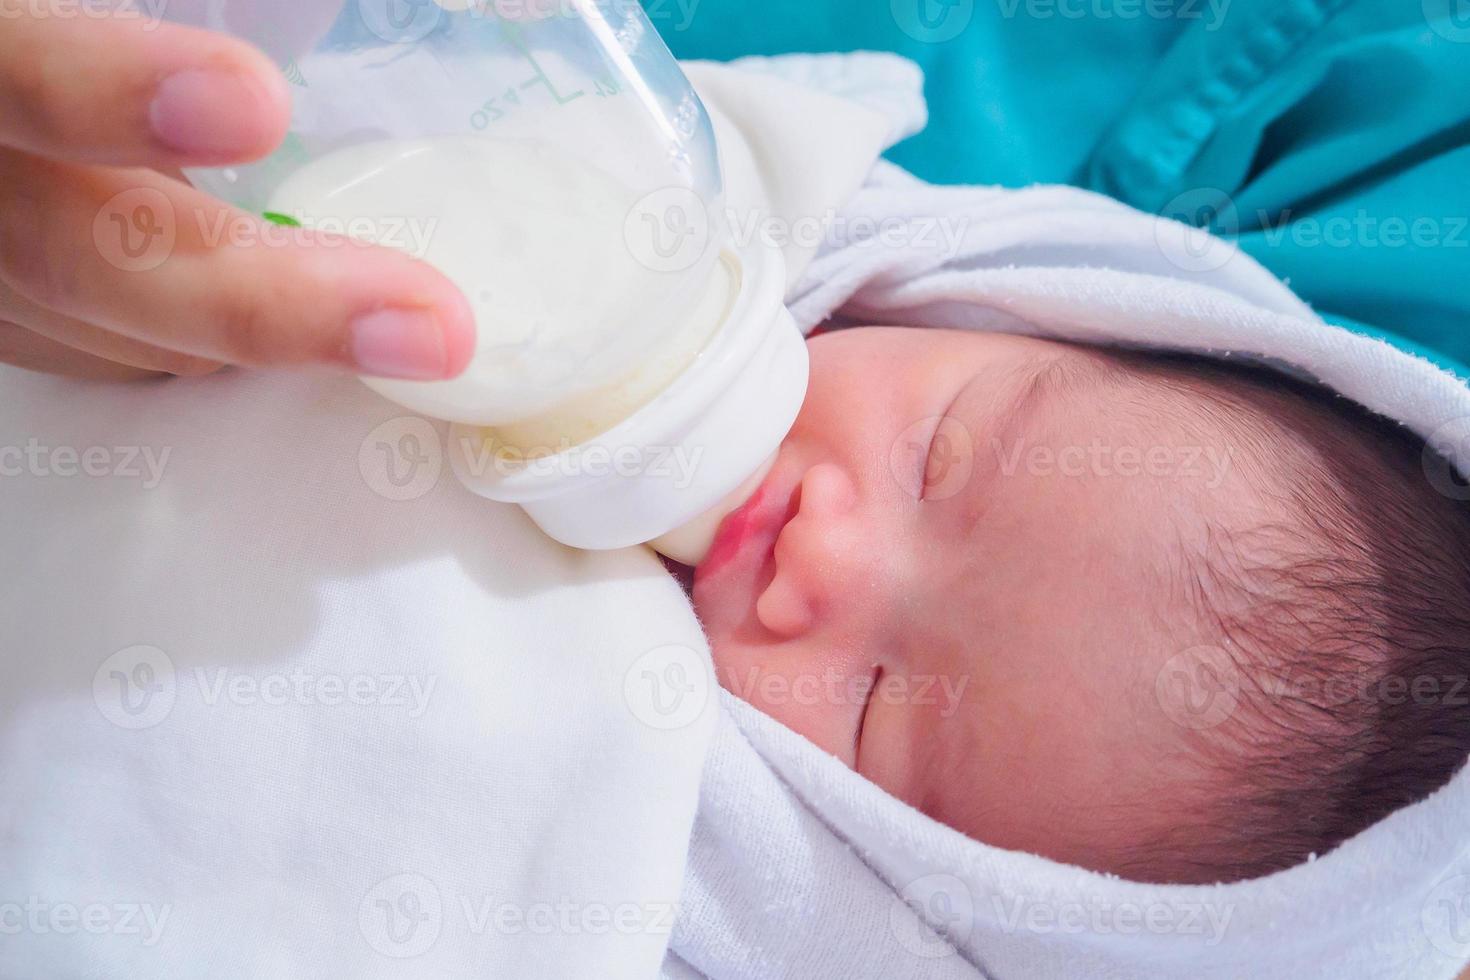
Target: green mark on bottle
(281, 219)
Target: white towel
(801, 868)
(280, 698)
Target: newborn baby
(1174, 619)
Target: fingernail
(399, 343)
(199, 111)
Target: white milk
(535, 239)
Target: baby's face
(954, 580)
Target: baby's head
(1149, 615)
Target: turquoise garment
(1330, 137)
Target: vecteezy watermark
(931, 915)
(136, 230)
(1104, 460)
(401, 916)
(933, 459)
(1450, 19)
(36, 459)
(1103, 917)
(567, 916)
(149, 11)
(669, 687)
(406, 233)
(1385, 690)
(402, 459)
(940, 235)
(1445, 917)
(1362, 230)
(135, 688)
(1193, 227)
(1210, 13)
(410, 21)
(1199, 688)
(836, 689)
(409, 693)
(673, 229)
(1195, 238)
(38, 916)
(1446, 445)
(932, 21)
(677, 465)
(669, 230)
(671, 15)
(403, 21)
(138, 687)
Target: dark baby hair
(1347, 625)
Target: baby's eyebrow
(1037, 382)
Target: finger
(125, 90)
(94, 340)
(24, 349)
(165, 264)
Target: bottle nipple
(688, 544)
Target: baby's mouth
(741, 562)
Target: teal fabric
(1330, 137)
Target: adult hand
(111, 266)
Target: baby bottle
(634, 371)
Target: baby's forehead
(1162, 396)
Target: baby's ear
(791, 155)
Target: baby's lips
(732, 533)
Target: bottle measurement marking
(497, 107)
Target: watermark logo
(1451, 441)
(932, 21)
(400, 21)
(1209, 216)
(1445, 917)
(1198, 689)
(669, 230)
(40, 917)
(1101, 917)
(135, 688)
(1450, 19)
(834, 688)
(933, 459)
(136, 230)
(402, 459)
(669, 687)
(409, 693)
(1211, 13)
(567, 917)
(676, 465)
(410, 234)
(931, 914)
(42, 461)
(401, 916)
(150, 11)
(671, 15)
(1208, 465)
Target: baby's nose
(825, 563)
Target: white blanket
(800, 868)
(279, 698)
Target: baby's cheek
(811, 700)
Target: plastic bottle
(634, 372)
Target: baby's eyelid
(928, 454)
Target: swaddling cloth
(799, 867)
